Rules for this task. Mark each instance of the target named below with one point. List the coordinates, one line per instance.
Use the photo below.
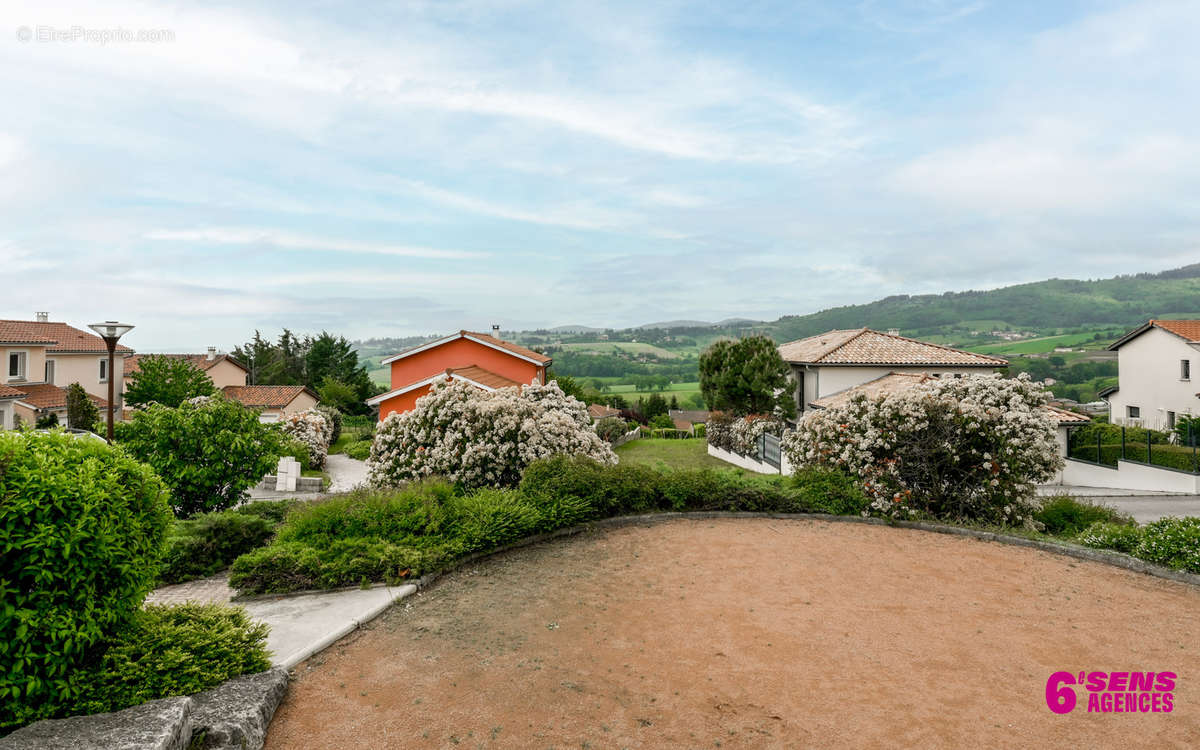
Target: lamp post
(110, 331)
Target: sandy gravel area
(753, 633)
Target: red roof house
(481, 359)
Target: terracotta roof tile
(266, 396)
(1063, 416)
(514, 348)
(481, 376)
(7, 391)
(600, 411)
(200, 361)
(60, 337)
(863, 346)
(48, 396)
(1188, 329)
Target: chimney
(43, 317)
(212, 353)
(893, 331)
(496, 331)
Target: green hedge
(211, 542)
(368, 536)
(1065, 516)
(167, 651)
(81, 532)
(1170, 456)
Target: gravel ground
(752, 633)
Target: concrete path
(345, 473)
(308, 623)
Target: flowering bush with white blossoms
(313, 429)
(745, 432)
(972, 448)
(480, 438)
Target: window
(1133, 412)
(1185, 369)
(3, 420)
(16, 365)
(50, 371)
(104, 371)
(1170, 420)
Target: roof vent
(43, 317)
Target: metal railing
(1139, 446)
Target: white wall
(1129, 476)
(1148, 369)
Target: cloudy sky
(412, 167)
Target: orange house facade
(480, 359)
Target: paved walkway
(345, 473)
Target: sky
(390, 169)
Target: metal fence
(1138, 445)
(770, 451)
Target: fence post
(1148, 457)
(1098, 456)
(1122, 441)
(1192, 440)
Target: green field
(616, 347)
(681, 391)
(1040, 345)
(674, 454)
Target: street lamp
(110, 331)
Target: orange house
(485, 361)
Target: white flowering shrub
(719, 430)
(313, 429)
(972, 448)
(745, 432)
(482, 438)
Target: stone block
(237, 714)
(158, 725)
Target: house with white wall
(837, 361)
(41, 357)
(222, 369)
(1156, 363)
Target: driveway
(345, 473)
(1143, 506)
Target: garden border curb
(1115, 559)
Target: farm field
(1040, 345)
(614, 347)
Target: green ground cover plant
(1067, 517)
(210, 542)
(165, 651)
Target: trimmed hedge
(831, 491)
(1161, 454)
(81, 533)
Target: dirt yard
(753, 633)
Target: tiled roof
(863, 346)
(514, 348)
(266, 396)
(896, 382)
(481, 376)
(1063, 416)
(59, 337)
(893, 382)
(600, 411)
(200, 361)
(7, 391)
(48, 396)
(1188, 329)
(693, 415)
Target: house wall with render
(1150, 377)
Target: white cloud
(292, 241)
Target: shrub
(719, 430)
(1065, 516)
(359, 450)
(272, 510)
(211, 542)
(166, 380)
(209, 451)
(1116, 536)
(744, 433)
(295, 448)
(831, 491)
(610, 428)
(81, 533)
(608, 490)
(356, 561)
(491, 518)
(479, 438)
(661, 422)
(311, 429)
(333, 418)
(1173, 542)
(46, 421)
(166, 651)
(963, 449)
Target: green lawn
(674, 454)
